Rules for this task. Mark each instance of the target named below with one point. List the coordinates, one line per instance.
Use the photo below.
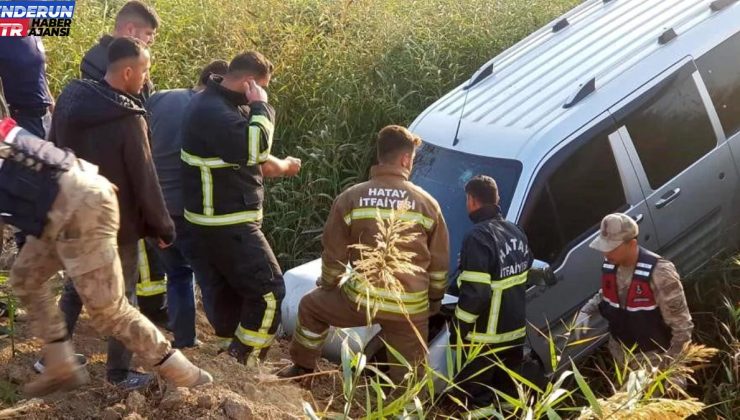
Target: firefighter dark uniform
(494, 262)
(225, 141)
(352, 220)
(151, 290)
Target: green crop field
(344, 70)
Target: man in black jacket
(226, 153)
(494, 262)
(104, 124)
(136, 20)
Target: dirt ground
(238, 392)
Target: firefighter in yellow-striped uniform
(494, 262)
(151, 290)
(227, 138)
(352, 220)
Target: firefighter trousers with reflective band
(151, 289)
(80, 237)
(243, 281)
(321, 309)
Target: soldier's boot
(179, 371)
(62, 371)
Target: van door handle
(638, 219)
(668, 197)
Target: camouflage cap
(616, 229)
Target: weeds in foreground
(642, 387)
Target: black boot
(293, 371)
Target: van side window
(720, 69)
(582, 188)
(670, 127)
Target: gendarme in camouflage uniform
(641, 295)
(72, 222)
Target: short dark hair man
(352, 220)
(135, 20)
(227, 140)
(494, 262)
(103, 124)
(166, 109)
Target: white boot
(179, 371)
(62, 371)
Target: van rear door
(684, 166)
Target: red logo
(14, 27)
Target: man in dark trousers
(103, 123)
(227, 139)
(165, 110)
(136, 20)
(494, 262)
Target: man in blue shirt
(23, 72)
(165, 111)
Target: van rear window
(670, 127)
(720, 69)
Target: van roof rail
(481, 74)
(667, 36)
(718, 5)
(584, 90)
(560, 25)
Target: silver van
(618, 105)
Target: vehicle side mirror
(541, 274)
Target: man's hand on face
(254, 92)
